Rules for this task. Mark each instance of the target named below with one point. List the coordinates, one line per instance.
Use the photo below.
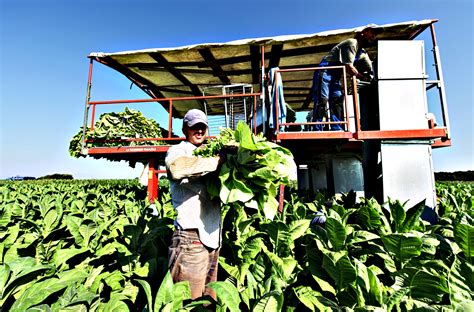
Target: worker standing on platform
(327, 88)
(194, 251)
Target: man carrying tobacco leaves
(194, 250)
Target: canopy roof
(190, 70)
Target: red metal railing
(92, 104)
(358, 134)
(345, 122)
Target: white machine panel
(402, 104)
(408, 173)
(400, 59)
(401, 83)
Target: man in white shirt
(194, 250)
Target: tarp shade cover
(187, 71)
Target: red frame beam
(128, 149)
(152, 185)
(314, 135)
(185, 98)
(401, 134)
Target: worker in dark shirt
(327, 88)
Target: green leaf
(147, 289)
(346, 272)
(243, 135)
(37, 293)
(165, 292)
(181, 292)
(461, 281)
(265, 174)
(361, 236)
(270, 207)
(271, 301)
(402, 246)
(227, 295)
(422, 284)
(130, 291)
(430, 244)
(279, 235)
(61, 256)
(398, 215)
(464, 236)
(73, 299)
(362, 275)
(259, 269)
(234, 190)
(72, 276)
(336, 233)
(94, 275)
(298, 228)
(87, 231)
(238, 190)
(369, 217)
(116, 303)
(22, 271)
(284, 267)
(252, 248)
(340, 268)
(13, 233)
(309, 298)
(114, 280)
(73, 223)
(396, 298)
(4, 277)
(245, 157)
(324, 285)
(413, 217)
(376, 287)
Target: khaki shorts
(189, 260)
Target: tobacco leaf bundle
(253, 171)
(113, 128)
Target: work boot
(318, 114)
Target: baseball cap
(195, 116)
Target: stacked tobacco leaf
(253, 171)
(117, 127)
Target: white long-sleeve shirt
(189, 194)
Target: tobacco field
(94, 245)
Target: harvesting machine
(390, 125)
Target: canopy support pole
(86, 108)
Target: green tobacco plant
(170, 297)
(404, 220)
(77, 245)
(94, 246)
(40, 290)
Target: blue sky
(43, 63)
